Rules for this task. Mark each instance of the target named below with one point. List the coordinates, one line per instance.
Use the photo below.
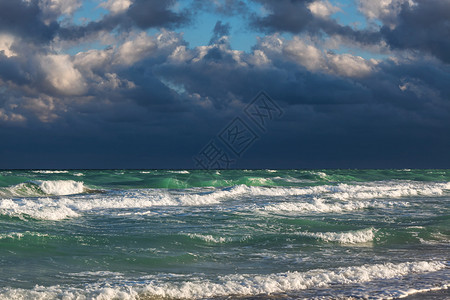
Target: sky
(224, 84)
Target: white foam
(260, 180)
(65, 207)
(209, 238)
(321, 175)
(78, 174)
(50, 171)
(20, 235)
(409, 292)
(42, 208)
(291, 179)
(319, 205)
(328, 198)
(388, 190)
(60, 187)
(21, 190)
(231, 285)
(290, 281)
(97, 273)
(179, 172)
(41, 188)
(384, 189)
(349, 237)
(216, 240)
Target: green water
(131, 234)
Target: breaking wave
(232, 285)
(44, 187)
(350, 237)
(15, 200)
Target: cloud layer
(126, 89)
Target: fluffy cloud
(305, 53)
(134, 50)
(322, 8)
(116, 6)
(384, 10)
(52, 9)
(6, 42)
(61, 74)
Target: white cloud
(134, 50)
(6, 42)
(61, 74)
(10, 117)
(384, 10)
(116, 6)
(180, 54)
(113, 82)
(140, 46)
(44, 107)
(322, 8)
(306, 53)
(93, 59)
(52, 9)
(350, 65)
(259, 58)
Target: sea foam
(328, 198)
(38, 188)
(350, 237)
(61, 187)
(233, 285)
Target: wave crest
(350, 237)
(44, 187)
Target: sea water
(143, 234)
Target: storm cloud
(137, 95)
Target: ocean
(225, 234)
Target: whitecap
(349, 237)
(230, 285)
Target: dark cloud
(23, 18)
(296, 17)
(220, 30)
(11, 70)
(284, 15)
(143, 14)
(154, 102)
(424, 27)
(155, 13)
(225, 7)
(106, 24)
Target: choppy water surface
(138, 234)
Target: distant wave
(314, 199)
(179, 171)
(38, 188)
(51, 171)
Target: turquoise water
(143, 234)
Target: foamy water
(125, 234)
